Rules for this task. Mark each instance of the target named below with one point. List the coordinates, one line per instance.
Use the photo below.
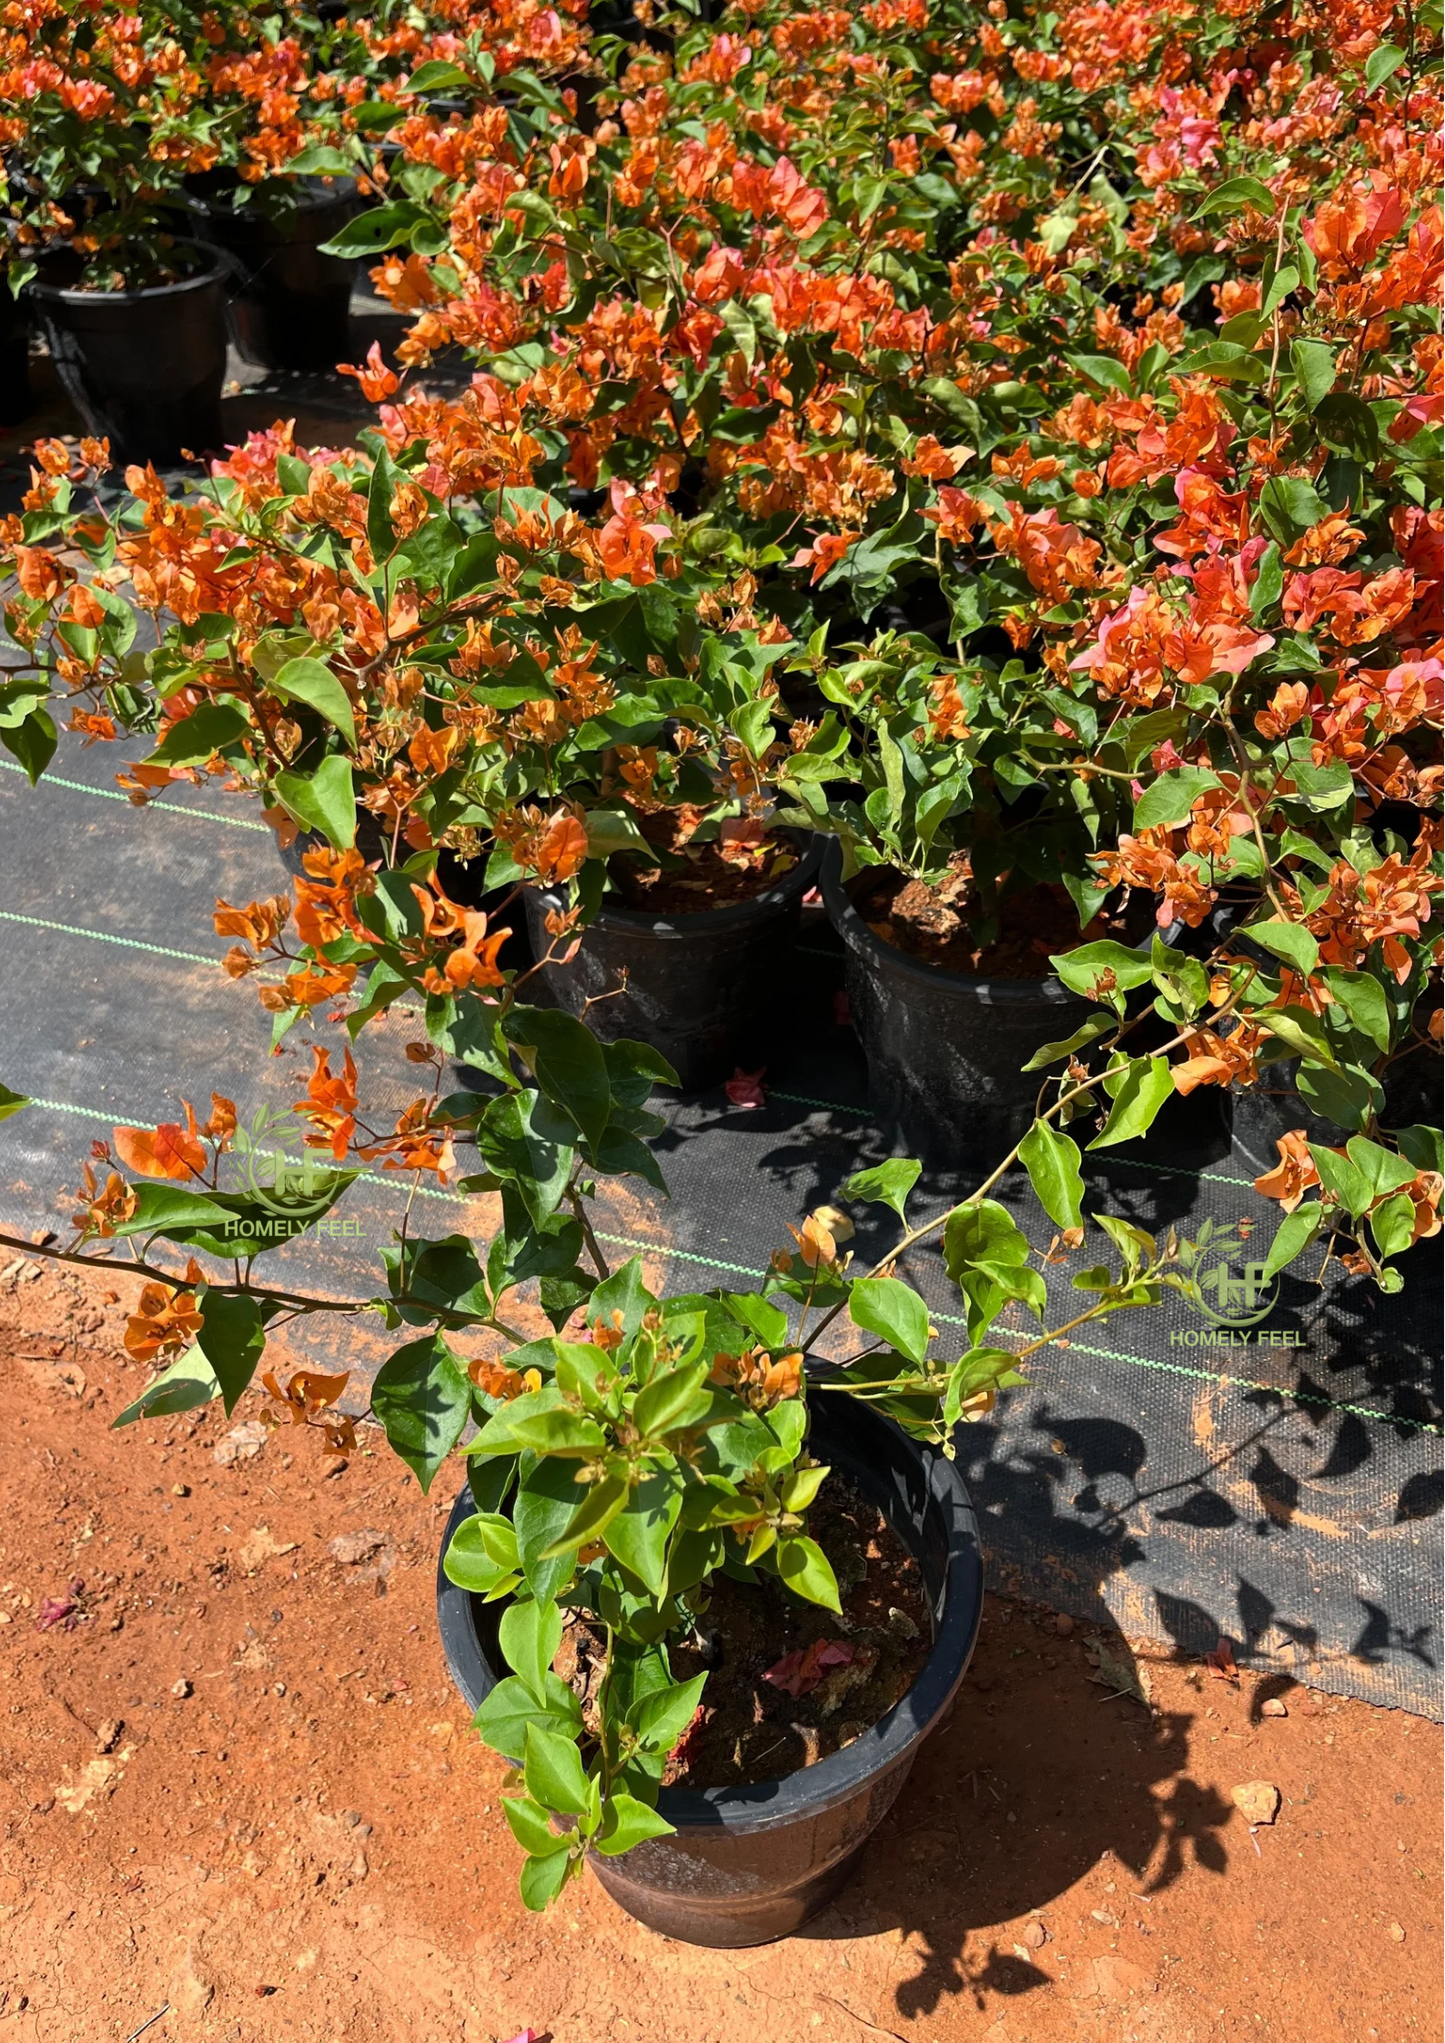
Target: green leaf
(1283, 282)
(885, 1184)
(1343, 1180)
(547, 1498)
(1301, 1030)
(1289, 505)
(806, 1570)
(673, 1399)
(232, 1338)
(1050, 1053)
(530, 1825)
(1169, 799)
(32, 742)
(661, 1716)
(637, 1536)
(1226, 360)
(377, 229)
(530, 1634)
(309, 682)
(1288, 940)
(1268, 584)
(980, 1370)
(1381, 1168)
(481, 1555)
(198, 737)
(600, 1504)
(569, 1065)
(1234, 195)
(626, 1822)
(1383, 61)
(1293, 1235)
(1052, 1162)
(1138, 1094)
(1392, 1223)
(613, 830)
(1313, 366)
(437, 76)
(982, 1232)
(1103, 370)
(558, 1431)
(624, 1292)
(766, 1321)
(542, 1879)
(324, 800)
(190, 1381)
(422, 1397)
(502, 1720)
(893, 1310)
(1084, 968)
(1362, 997)
(554, 1772)
(12, 1102)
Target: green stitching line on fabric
(113, 794)
(129, 943)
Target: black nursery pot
(16, 400)
(143, 368)
(703, 989)
(1261, 1115)
(945, 1051)
(289, 304)
(749, 1865)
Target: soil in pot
(789, 1683)
(695, 877)
(144, 368)
(289, 304)
(938, 924)
(690, 955)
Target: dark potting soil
(936, 924)
(705, 879)
(849, 1671)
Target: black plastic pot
(1261, 1115)
(749, 1865)
(143, 368)
(703, 989)
(945, 1051)
(16, 400)
(289, 304)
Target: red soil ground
(237, 1781)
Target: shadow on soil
(1016, 1800)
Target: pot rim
(307, 194)
(706, 921)
(892, 1742)
(213, 273)
(860, 938)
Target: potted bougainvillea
(993, 450)
(104, 115)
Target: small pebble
(1273, 1707)
(181, 1689)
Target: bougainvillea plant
(641, 1444)
(968, 432)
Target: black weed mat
(1285, 1494)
